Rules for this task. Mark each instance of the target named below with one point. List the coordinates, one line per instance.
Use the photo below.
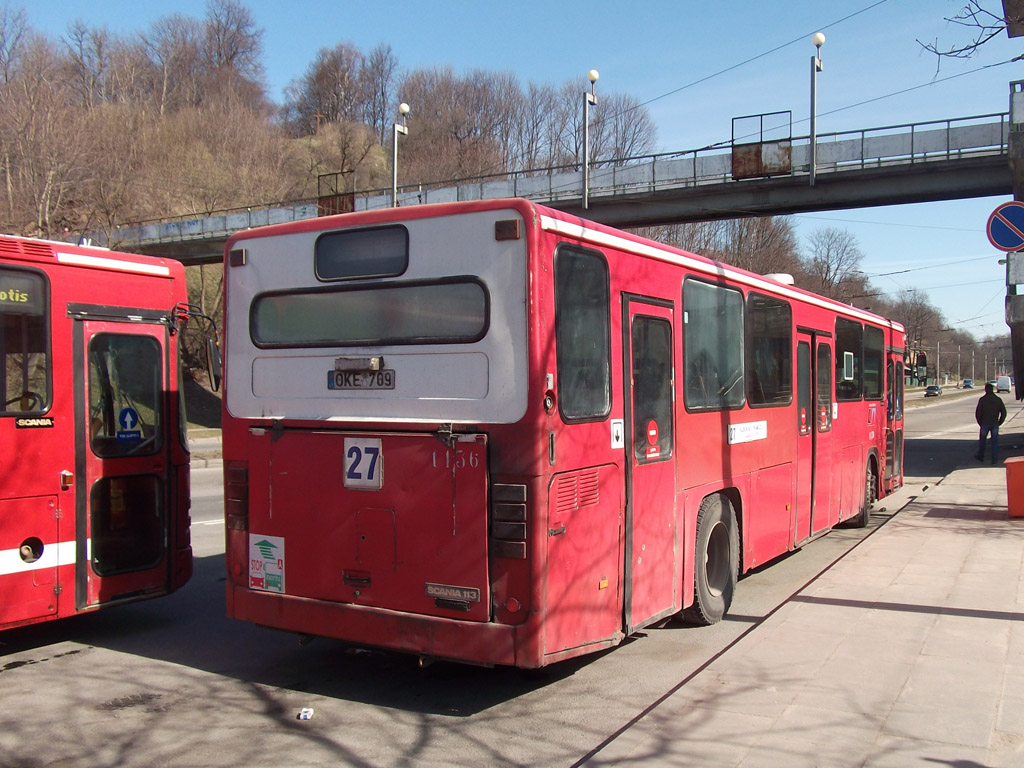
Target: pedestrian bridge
(916, 162)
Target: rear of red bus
(371, 361)
(94, 471)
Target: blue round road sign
(1006, 226)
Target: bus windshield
(24, 354)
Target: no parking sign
(1006, 226)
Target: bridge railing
(646, 174)
(912, 143)
(903, 144)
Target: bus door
(814, 427)
(893, 422)
(122, 458)
(650, 553)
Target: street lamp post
(588, 99)
(403, 110)
(816, 66)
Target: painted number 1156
(363, 463)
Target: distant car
(1003, 384)
(968, 383)
(933, 391)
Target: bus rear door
(893, 422)
(122, 415)
(814, 444)
(651, 566)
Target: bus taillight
(236, 495)
(508, 521)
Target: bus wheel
(717, 562)
(870, 494)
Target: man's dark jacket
(990, 410)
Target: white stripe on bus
(614, 241)
(121, 264)
(62, 553)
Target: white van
(1003, 384)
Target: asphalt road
(173, 682)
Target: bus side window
(24, 343)
(824, 388)
(849, 343)
(712, 346)
(874, 354)
(769, 351)
(582, 334)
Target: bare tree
(13, 30)
(233, 41)
(174, 43)
(758, 244)
(329, 92)
(133, 77)
(232, 54)
(377, 78)
(531, 141)
(921, 320)
(623, 128)
(89, 62)
(984, 25)
(835, 258)
(45, 145)
(454, 135)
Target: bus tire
(716, 565)
(870, 495)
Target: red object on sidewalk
(1015, 486)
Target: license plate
(382, 379)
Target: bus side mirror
(213, 363)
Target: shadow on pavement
(190, 628)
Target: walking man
(990, 414)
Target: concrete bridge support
(1015, 260)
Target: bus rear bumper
(465, 641)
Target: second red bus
(496, 433)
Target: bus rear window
(449, 312)
(24, 343)
(361, 253)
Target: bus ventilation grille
(26, 247)
(577, 490)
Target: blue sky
(673, 55)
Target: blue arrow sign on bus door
(1006, 226)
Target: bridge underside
(189, 252)
(918, 183)
(979, 176)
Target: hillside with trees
(99, 130)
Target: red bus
(94, 471)
(495, 433)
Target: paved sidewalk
(907, 652)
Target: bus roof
(568, 225)
(35, 250)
